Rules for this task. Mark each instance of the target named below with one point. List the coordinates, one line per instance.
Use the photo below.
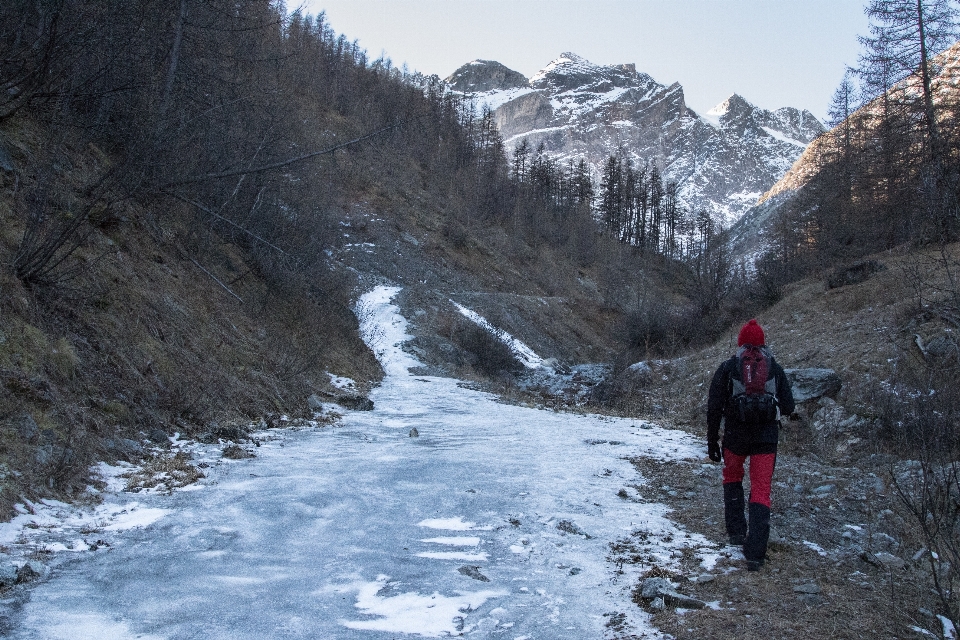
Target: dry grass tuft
(164, 473)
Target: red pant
(761, 473)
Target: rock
(809, 587)
(409, 238)
(775, 539)
(8, 574)
(43, 455)
(824, 489)
(229, 432)
(472, 571)
(32, 570)
(556, 366)
(414, 433)
(652, 587)
(158, 436)
(809, 384)
(123, 447)
(704, 578)
(27, 427)
(355, 402)
(570, 527)
(640, 373)
(675, 599)
(889, 561)
(658, 604)
(315, 403)
(853, 274)
(661, 588)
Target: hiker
(749, 393)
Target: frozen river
(494, 522)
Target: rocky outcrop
(485, 75)
(811, 384)
(722, 161)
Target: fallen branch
(215, 279)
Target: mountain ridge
(722, 161)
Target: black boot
(755, 548)
(733, 512)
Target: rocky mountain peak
(571, 71)
(485, 75)
(722, 161)
(731, 110)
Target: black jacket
(736, 436)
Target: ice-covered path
(494, 522)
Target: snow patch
(430, 616)
(523, 353)
(92, 625)
(456, 541)
(455, 555)
(341, 382)
(783, 138)
(451, 524)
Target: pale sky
(775, 53)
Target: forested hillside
(175, 181)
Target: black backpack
(753, 388)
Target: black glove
(713, 450)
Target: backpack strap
(738, 387)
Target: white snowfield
(494, 523)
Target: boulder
(32, 570)
(158, 436)
(810, 384)
(889, 561)
(809, 588)
(473, 571)
(354, 401)
(651, 587)
(315, 403)
(231, 433)
(639, 373)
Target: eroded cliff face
(722, 161)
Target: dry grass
(164, 473)
(856, 598)
(142, 341)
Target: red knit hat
(751, 333)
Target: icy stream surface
(494, 523)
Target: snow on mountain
(721, 160)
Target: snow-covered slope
(722, 161)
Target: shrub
(487, 353)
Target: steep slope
(722, 161)
(752, 234)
